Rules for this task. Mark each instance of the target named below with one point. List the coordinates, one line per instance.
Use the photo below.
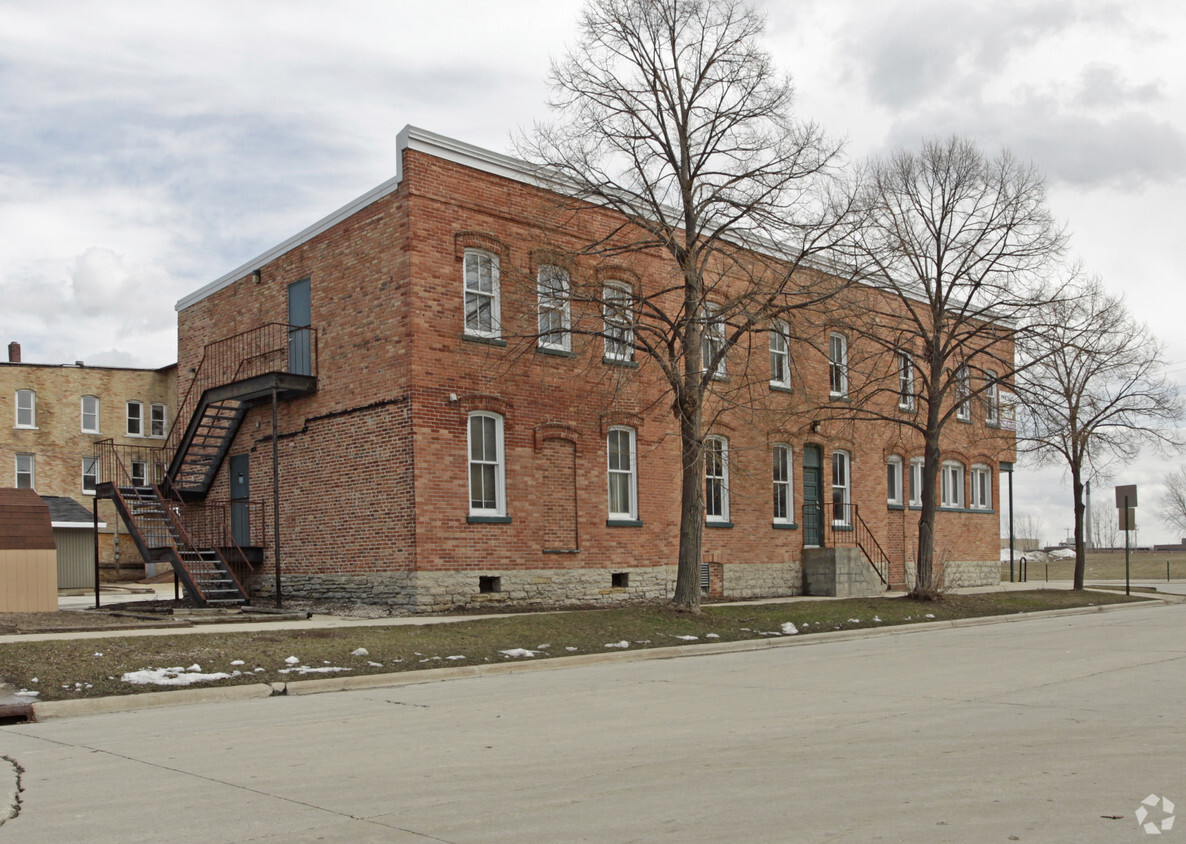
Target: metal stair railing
(847, 528)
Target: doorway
(813, 510)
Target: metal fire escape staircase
(237, 373)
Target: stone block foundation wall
(957, 574)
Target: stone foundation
(840, 573)
(961, 573)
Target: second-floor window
(780, 355)
(157, 426)
(26, 471)
(837, 365)
(26, 409)
(992, 400)
(712, 345)
(554, 315)
(905, 381)
(90, 414)
(135, 419)
(963, 389)
(618, 309)
(90, 475)
(482, 314)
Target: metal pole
(1010, 522)
(276, 497)
(95, 512)
(1127, 520)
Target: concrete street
(1029, 731)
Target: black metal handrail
(843, 527)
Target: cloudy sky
(146, 148)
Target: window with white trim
(135, 417)
(837, 365)
(963, 389)
(486, 467)
(893, 480)
(90, 475)
(780, 355)
(555, 319)
(980, 483)
(26, 409)
(139, 473)
(621, 460)
(951, 484)
(916, 464)
(157, 420)
(992, 399)
(618, 312)
(90, 414)
(783, 475)
(716, 479)
(713, 342)
(482, 309)
(905, 381)
(841, 488)
(26, 471)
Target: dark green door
(300, 338)
(813, 511)
(240, 497)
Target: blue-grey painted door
(300, 317)
(813, 511)
(240, 495)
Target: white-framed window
(482, 309)
(916, 464)
(841, 488)
(135, 417)
(90, 475)
(837, 364)
(158, 420)
(618, 312)
(905, 381)
(784, 491)
(26, 409)
(980, 483)
(487, 495)
(90, 414)
(716, 479)
(555, 319)
(893, 480)
(713, 342)
(780, 355)
(951, 484)
(992, 399)
(622, 469)
(139, 473)
(26, 471)
(963, 389)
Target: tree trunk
(924, 583)
(1080, 550)
(691, 516)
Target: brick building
(434, 450)
(58, 413)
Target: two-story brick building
(58, 412)
(436, 447)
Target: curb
(46, 710)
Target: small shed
(74, 536)
(28, 556)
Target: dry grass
(1108, 565)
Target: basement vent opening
(620, 579)
(489, 584)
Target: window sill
(708, 524)
(780, 388)
(554, 351)
(623, 522)
(629, 364)
(562, 551)
(895, 506)
(784, 526)
(488, 520)
(486, 341)
(844, 397)
(25, 428)
(844, 528)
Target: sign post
(1126, 500)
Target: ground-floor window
(716, 479)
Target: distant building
(52, 416)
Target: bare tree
(1172, 507)
(1029, 525)
(1105, 526)
(1094, 391)
(669, 115)
(959, 244)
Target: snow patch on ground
(176, 676)
(304, 669)
(689, 638)
(789, 628)
(360, 652)
(712, 635)
(621, 644)
(513, 653)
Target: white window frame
(842, 484)
(83, 414)
(26, 404)
(711, 340)
(153, 427)
(716, 479)
(90, 469)
(837, 365)
(552, 284)
(138, 418)
(893, 480)
(906, 389)
(783, 478)
(980, 487)
(618, 314)
(496, 460)
(625, 476)
(951, 485)
(29, 470)
(963, 389)
(138, 470)
(780, 355)
(475, 295)
(992, 400)
(916, 466)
